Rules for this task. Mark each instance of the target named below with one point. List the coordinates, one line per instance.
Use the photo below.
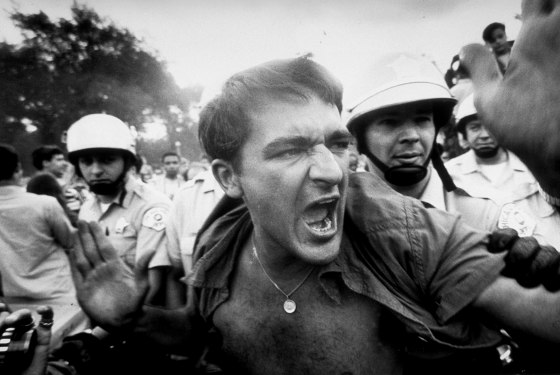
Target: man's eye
(289, 152)
(340, 145)
(388, 122)
(422, 119)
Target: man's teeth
(322, 226)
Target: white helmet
(465, 111)
(99, 131)
(400, 78)
(396, 79)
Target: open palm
(107, 290)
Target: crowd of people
(321, 238)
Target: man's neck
(280, 266)
(107, 198)
(500, 157)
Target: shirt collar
(209, 183)
(469, 164)
(433, 193)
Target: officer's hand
(38, 363)
(526, 261)
(522, 109)
(108, 292)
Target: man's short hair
(488, 30)
(10, 161)
(44, 153)
(224, 123)
(170, 153)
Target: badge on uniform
(121, 224)
(512, 217)
(155, 218)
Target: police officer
(396, 123)
(102, 149)
(489, 170)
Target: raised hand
(107, 290)
(522, 109)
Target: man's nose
(408, 132)
(96, 168)
(483, 132)
(325, 168)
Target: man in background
(495, 37)
(172, 180)
(489, 171)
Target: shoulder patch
(513, 217)
(155, 219)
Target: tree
(68, 68)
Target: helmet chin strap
(407, 175)
(400, 175)
(109, 188)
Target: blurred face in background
(56, 166)
(498, 42)
(480, 140)
(171, 166)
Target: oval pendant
(289, 306)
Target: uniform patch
(512, 217)
(155, 218)
(120, 225)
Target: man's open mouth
(320, 216)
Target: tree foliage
(67, 68)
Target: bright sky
(205, 41)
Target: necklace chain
(276, 285)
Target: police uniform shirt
(522, 206)
(191, 206)
(477, 212)
(134, 221)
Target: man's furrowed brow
(280, 143)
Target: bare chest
(355, 336)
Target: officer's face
(480, 140)
(101, 168)
(402, 135)
(293, 177)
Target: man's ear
(226, 176)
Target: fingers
(531, 8)
(104, 249)
(502, 240)
(44, 328)
(547, 267)
(20, 317)
(79, 264)
(480, 64)
(41, 352)
(519, 261)
(89, 236)
(141, 270)
(46, 314)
